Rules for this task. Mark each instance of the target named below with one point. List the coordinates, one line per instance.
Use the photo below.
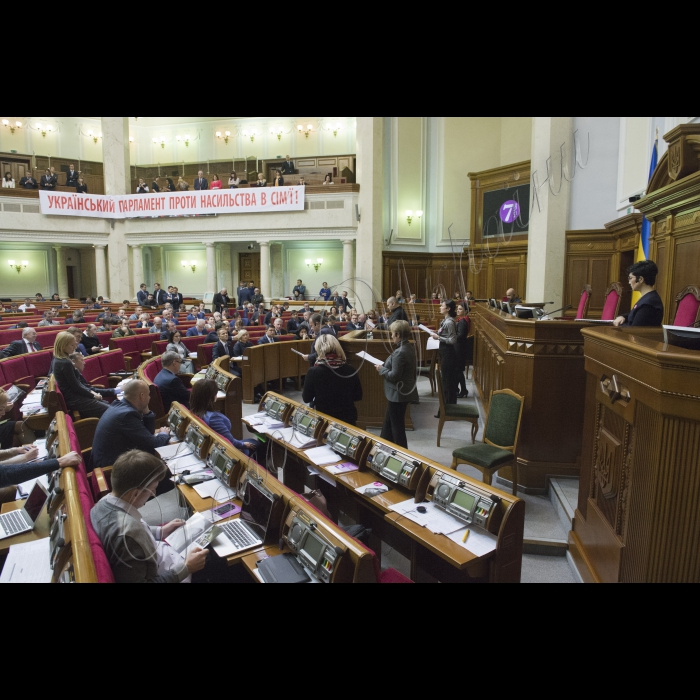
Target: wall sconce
(160, 141)
(95, 137)
(409, 216)
(225, 136)
(185, 138)
(335, 128)
(307, 132)
(131, 139)
(192, 265)
(19, 266)
(316, 266)
(44, 129)
(278, 131)
(252, 134)
(11, 127)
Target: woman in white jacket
(7, 182)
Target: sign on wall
(132, 206)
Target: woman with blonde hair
(77, 397)
(333, 386)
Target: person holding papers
(447, 336)
(332, 386)
(202, 403)
(399, 372)
(136, 552)
(462, 349)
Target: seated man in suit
(354, 323)
(25, 346)
(512, 297)
(157, 328)
(72, 177)
(279, 327)
(170, 327)
(28, 182)
(269, 337)
(225, 346)
(221, 301)
(171, 387)
(48, 182)
(213, 336)
(128, 424)
(198, 330)
(294, 323)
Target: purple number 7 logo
(510, 211)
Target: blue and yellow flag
(644, 241)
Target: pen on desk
(466, 537)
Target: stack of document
(295, 439)
(369, 358)
(322, 456)
(346, 468)
(32, 404)
(273, 423)
(257, 419)
(28, 563)
(216, 490)
(189, 463)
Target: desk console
(345, 441)
(198, 441)
(306, 423)
(395, 466)
(276, 408)
(178, 424)
(310, 547)
(464, 501)
(225, 468)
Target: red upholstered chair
(130, 348)
(159, 348)
(17, 372)
(688, 313)
(584, 303)
(112, 362)
(613, 299)
(3, 381)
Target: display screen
(344, 440)
(257, 508)
(222, 383)
(465, 501)
(220, 462)
(211, 374)
(393, 465)
(175, 421)
(306, 421)
(36, 502)
(274, 408)
(313, 548)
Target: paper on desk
(273, 423)
(295, 439)
(315, 472)
(434, 519)
(188, 463)
(479, 543)
(433, 344)
(322, 456)
(369, 358)
(216, 490)
(28, 563)
(179, 449)
(346, 468)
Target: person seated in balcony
(262, 182)
(325, 293)
(155, 185)
(81, 187)
(8, 182)
(28, 182)
(279, 180)
(182, 184)
(142, 187)
(302, 182)
(49, 181)
(234, 181)
(216, 183)
(328, 180)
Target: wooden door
(71, 282)
(17, 167)
(249, 266)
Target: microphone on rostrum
(551, 313)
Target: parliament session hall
(349, 350)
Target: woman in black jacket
(649, 310)
(447, 336)
(462, 349)
(333, 386)
(76, 396)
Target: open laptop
(250, 530)
(20, 521)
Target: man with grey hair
(144, 321)
(170, 328)
(25, 346)
(157, 325)
(127, 424)
(48, 320)
(170, 385)
(199, 329)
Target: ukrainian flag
(644, 242)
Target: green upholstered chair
(429, 370)
(455, 414)
(499, 449)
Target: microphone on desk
(551, 313)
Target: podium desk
(544, 362)
(638, 515)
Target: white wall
(294, 257)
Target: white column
(277, 271)
(211, 268)
(101, 273)
(349, 268)
(549, 215)
(137, 269)
(116, 156)
(265, 282)
(62, 270)
(370, 176)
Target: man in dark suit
(128, 424)
(293, 325)
(28, 182)
(288, 167)
(25, 346)
(159, 295)
(198, 330)
(225, 346)
(345, 304)
(201, 183)
(178, 300)
(48, 182)
(142, 295)
(243, 295)
(72, 177)
(171, 387)
(269, 337)
(221, 301)
(394, 312)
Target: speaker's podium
(638, 519)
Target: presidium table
(542, 361)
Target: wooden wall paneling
(686, 264)
(600, 276)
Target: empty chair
(456, 413)
(688, 313)
(499, 449)
(585, 302)
(429, 371)
(613, 299)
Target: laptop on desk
(250, 531)
(20, 521)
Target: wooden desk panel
(637, 518)
(544, 362)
